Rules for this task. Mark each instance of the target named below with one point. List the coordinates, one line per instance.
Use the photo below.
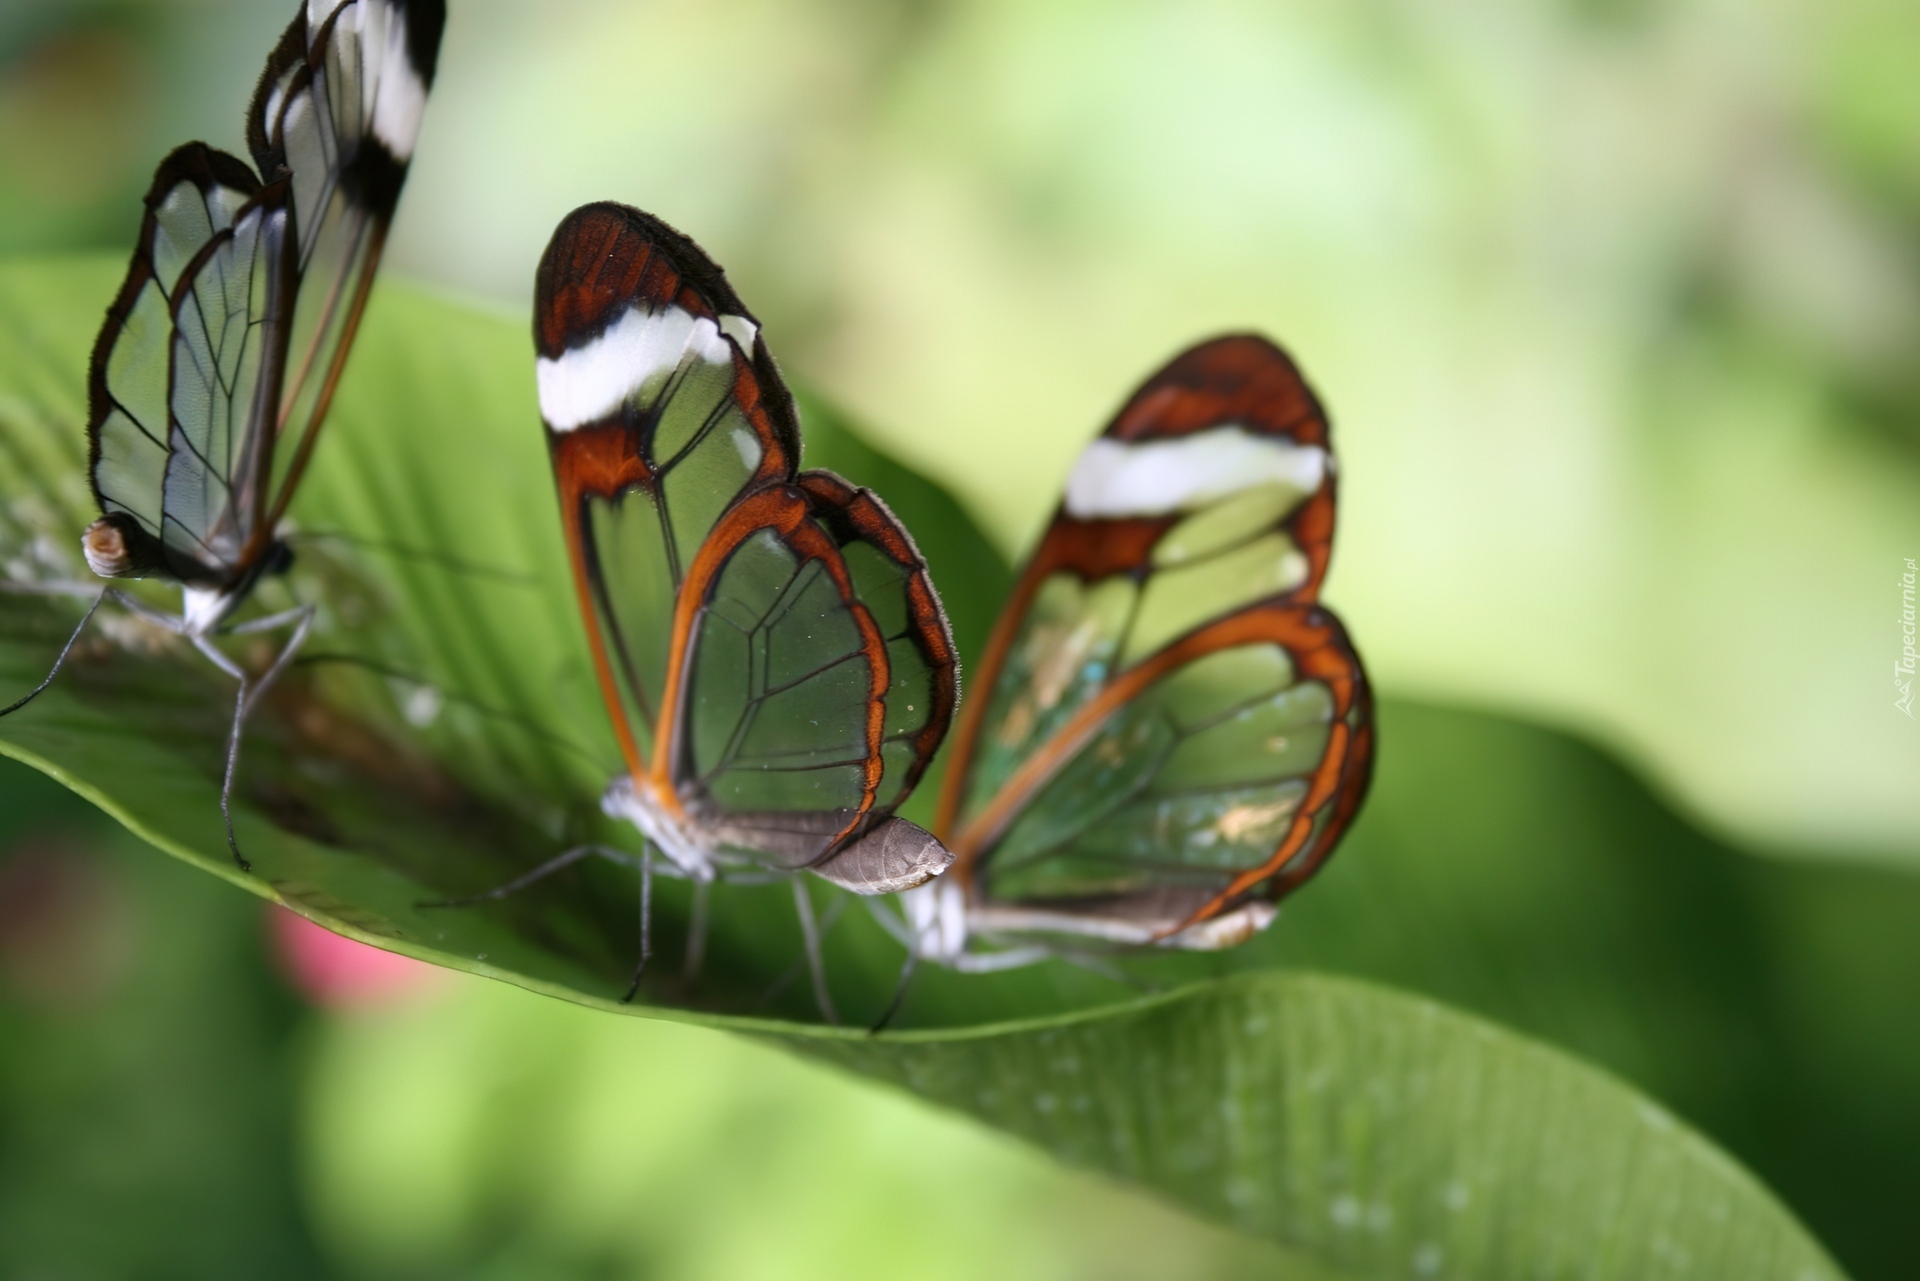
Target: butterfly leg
(902, 933)
(646, 922)
(302, 619)
(810, 939)
(899, 993)
(1093, 964)
(250, 693)
(696, 935)
(140, 609)
(59, 662)
(825, 926)
(1011, 958)
(240, 706)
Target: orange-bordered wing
(773, 655)
(1167, 724)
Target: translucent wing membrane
(820, 671)
(658, 420)
(1169, 725)
(338, 109)
(1229, 763)
(241, 300)
(773, 655)
(189, 359)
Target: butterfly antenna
(420, 555)
(59, 662)
(810, 939)
(559, 862)
(646, 922)
(696, 935)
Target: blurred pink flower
(335, 971)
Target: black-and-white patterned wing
(338, 110)
(185, 371)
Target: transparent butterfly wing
(338, 111)
(658, 420)
(242, 298)
(1232, 759)
(1087, 773)
(188, 356)
(768, 643)
(820, 671)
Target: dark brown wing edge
(854, 514)
(604, 257)
(207, 168)
(1339, 786)
(1248, 380)
(787, 511)
(1321, 651)
(1238, 378)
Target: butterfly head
(278, 559)
(116, 547)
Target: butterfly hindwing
(338, 109)
(1168, 721)
(891, 579)
(820, 671)
(189, 352)
(1232, 757)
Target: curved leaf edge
(881, 1055)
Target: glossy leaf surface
(1335, 1117)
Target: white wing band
(588, 382)
(400, 99)
(1159, 477)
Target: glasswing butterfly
(1168, 735)
(220, 355)
(769, 647)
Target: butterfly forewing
(339, 109)
(183, 358)
(1167, 719)
(772, 652)
(658, 420)
(242, 298)
(230, 313)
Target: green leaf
(146, 1090)
(443, 733)
(1381, 1135)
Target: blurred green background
(1615, 303)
